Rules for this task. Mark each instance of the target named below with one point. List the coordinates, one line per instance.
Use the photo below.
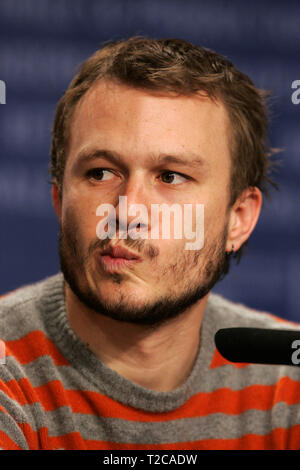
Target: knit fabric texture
(55, 393)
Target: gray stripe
(235, 378)
(58, 422)
(13, 408)
(213, 426)
(40, 371)
(12, 430)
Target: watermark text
(187, 222)
(2, 92)
(296, 94)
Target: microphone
(259, 345)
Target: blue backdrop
(42, 43)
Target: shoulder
(228, 314)
(21, 310)
(275, 380)
(28, 349)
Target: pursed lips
(114, 258)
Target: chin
(116, 290)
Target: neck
(160, 359)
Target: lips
(117, 258)
(120, 252)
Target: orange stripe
(32, 436)
(8, 391)
(32, 346)
(51, 395)
(70, 441)
(224, 400)
(7, 443)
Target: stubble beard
(210, 262)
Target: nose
(132, 209)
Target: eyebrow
(194, 161)
(190, 159)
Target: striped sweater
(56, 394)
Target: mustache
(139, 245)
(68, 234)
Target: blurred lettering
(296, 94)
(2, 92)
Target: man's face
(154, 149)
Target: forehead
(134, 122)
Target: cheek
(82, 213)
(171, 252)
(76, 229)
(214, 217)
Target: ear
(243, 218)
(56, 200)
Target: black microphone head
(259, 345)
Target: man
(117, 351)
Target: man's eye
(100, 174)
(172, 177)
